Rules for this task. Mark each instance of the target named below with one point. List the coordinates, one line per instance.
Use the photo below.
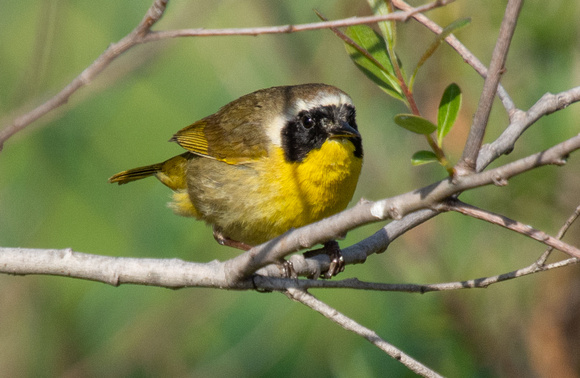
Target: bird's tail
(170, 172)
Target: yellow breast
(300, 193)
(256, 202)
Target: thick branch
(171, 273)
(391, 208)
(177, 274)
(233, 273)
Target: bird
(272, 160)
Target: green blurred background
(54, 194)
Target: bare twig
(284, 29)
(510, 224)
(153, 15)
(467, 56)
(347, 323)
(275, 284)
(542, 259)
(505, 143)
(477, 131)
(143, 33)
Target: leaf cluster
(374, 54)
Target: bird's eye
(307, 121)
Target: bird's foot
(334, 253)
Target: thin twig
(143, 33)
(153, 15)
(548, 104)
(347, 323)
(510, 224)
(467, 56)
(467, 163)
(542, 259)
(279, 284)
(285, 29)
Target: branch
(280, 284)
(548, 104)
(510, 224)
(391, 208)
(269, 283)
(285, 29)
(176, 274)
(153, 15)
(142, 34)
(542, 260)
(496, 68)
(467, 56)
(235, 273)
(350, 325)
(170, 273)
(504, 144)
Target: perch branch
(391, 208)
(279, 284)
(236, 271)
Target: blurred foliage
(54, 194)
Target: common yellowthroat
(269, 161)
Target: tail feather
(171, 173)
(135, 174)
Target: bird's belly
(255, 202)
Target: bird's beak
(342, 129)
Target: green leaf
(448, 110)
(415, 123)
(423, 157)
(370, 55)
(388, 28)
(454, 26)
